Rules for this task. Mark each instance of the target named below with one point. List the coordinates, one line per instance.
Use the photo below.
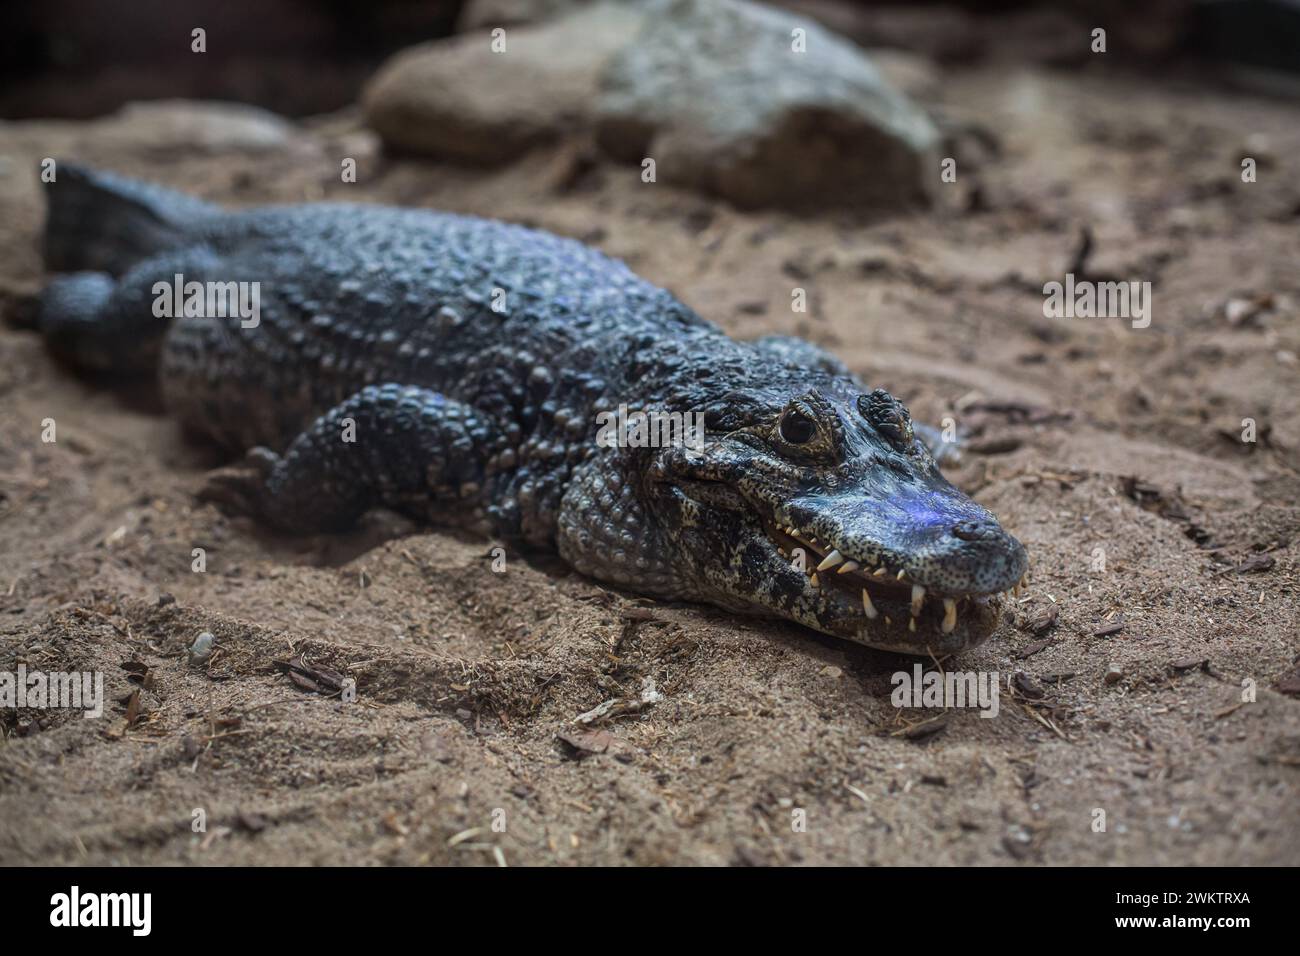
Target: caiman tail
(100, 226)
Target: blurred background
(85, 58)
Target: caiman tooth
(831, 560)
(867, 607)
(900, 574)
(911, 624)
(918, 598)
(848, 566)
(949, 615)
(816, 581)
(878, 572)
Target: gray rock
(459, 100)
(207, 126)
(714, 92)
(201, 649)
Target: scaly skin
(380, 322)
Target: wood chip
(320, 680)
(1290, 683)
(1026, 687)
(1106, 630)
(587, 742)
(133, 708)
(1042, 620)
(926, 728)
(252, 822)
(1029, 650)
(1255, 564)
(994, 445)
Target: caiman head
(819, 505)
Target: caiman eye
(797, 428)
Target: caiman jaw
(878, 583)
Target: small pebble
(201, 649)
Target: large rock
(713, 90)
(459, 100)
(206, 126)
(717, 94)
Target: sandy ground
(1086, 435)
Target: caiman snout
(981, 557)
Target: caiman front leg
(406, 448)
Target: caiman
(453, 369)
